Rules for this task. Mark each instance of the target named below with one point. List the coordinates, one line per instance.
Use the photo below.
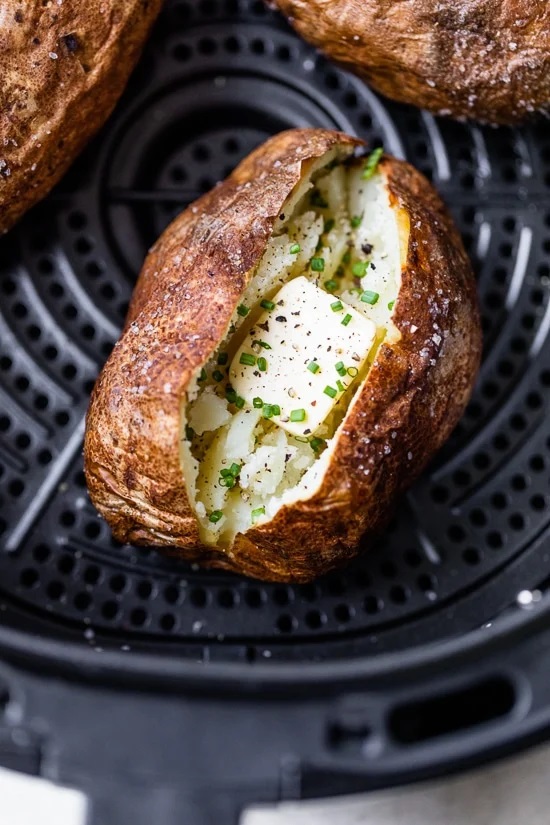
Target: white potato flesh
(240, 463)
(300, 344)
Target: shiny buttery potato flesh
(247, 447)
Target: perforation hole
(198, 597)
(56, 590)
(399, 594)
(144, 589)
(281, 596)
(286, 623)
(110, 610)
(227, 598)
(82, 601)
(254, 597)
(342, 613)
(118, 583)
(516, 521)
(66, 565)
(92, 574)
(167, 622)
(41, 553)
(471, 556)
(138, 617)
(315, 619)
(427, 583)
(28, 578)
(372, 605)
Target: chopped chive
(243, 310)
(257, 403)
(356, 221)
(259, 511)
(340, 386)
(267, 411)
(359, 269)
(346, 257)
(316, 199)
(222, 358)
(295, 248)
(262, 344)
(340, 272)
(329, 226)
(265, 304)
(215, 516)
(313, 367)
(202, 376)
(330, 285)
(189, 432)
(298, 415)
(372, 162)
(276, 409)
(391, 304)
(262, 364)
(330, 391)
(317, 264)
(230, 395)
(353, 371)
(225, 473)
(369, 297)
(317, 444)
(217, 375)
(247, 359)
(346, 319)
(227, 481)
(340, 368)
(336, 306)
(235, 469)
(239, 402)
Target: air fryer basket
(170, 694)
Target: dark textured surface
(214, 82)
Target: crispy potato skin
(189, 287)
(482, 59)
(63, 66)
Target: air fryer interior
(219, 77)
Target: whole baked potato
(482, 59)
(63, 66)
(300, 342)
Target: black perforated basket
(170, 694)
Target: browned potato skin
(191, 284)
(482, 59)
(51, 106)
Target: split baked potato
(482, 59)
(300, 342)
(63, 66)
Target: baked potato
(300, 342)
(63, 66)
(482, 59)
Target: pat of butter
(290, 355)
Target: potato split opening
(262, 416)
